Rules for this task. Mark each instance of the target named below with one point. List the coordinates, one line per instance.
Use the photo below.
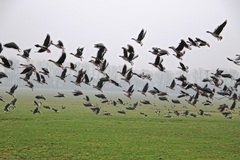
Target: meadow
(78, 133)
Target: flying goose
(218, 30)
(140, 37)
(12, 45)
(60, 61)
(45, 47)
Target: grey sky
(79, 23)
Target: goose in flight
(3, 75)
(183, 67)
(59, 45)
(129, 91)
(140, 37)
(7, 63)
(79, 53)
(218, 30)
(45, 47)
(60, 61)
(77, 93)
(144, 90)
(172, 85)
(159, 52)
(202, 42)
(45, 71)
(63, 75)
(59, 95)
(124, 70)
(12, 45)
(12, 90)
(25, 54)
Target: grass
(77, 133)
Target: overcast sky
(83, 23)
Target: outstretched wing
(219, 29)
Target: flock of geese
(31, 75)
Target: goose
(87, 98)
(13, 103)
(183, 67)
(101, 50)
(63, 75)
(193, 115)
(60, 61)
(115, 83)
(128, 77)
(79, 53)
(46, 107)
(77, 93)
(72, 67)
(121, 111)
(30, 85)
(43, 80)
(232, 107)
(144, 90)
(154, 91)
(120, 101)
(55, 110)
(156, 62)
(192, 42)
(95, 109)
(45, 47)
(88, 104)
(162, 98)
(172, 85)
(103, 66)
(124, 70)
(12, 45)
(129, 91)
(28, 68)
(176, 101)
(202, 42)
(178, 54)
(145, 102)
(25, 54)
(79, 78)
(87, 80)
(40, 97)
(7, 63)
(140, 37)
(3, 75)
(38, 78)
(99, 85)
(12, 90)
(59, 45)
(158, 51)
(129, 58)
(36, 111)
(218, 30)
(45, 71)
(6, 108)
(59, 95)
(101, 96)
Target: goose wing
(62, 58)
(219, 29)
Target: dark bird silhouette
(144, 90)
(79, 53)
(202, 42)
(159, 52)
(218, 30)
(29, 84)
(121, 111)
(101, 96)
(3, 75)
(12, 45)
(12, 90)
(45, 47)
(163, 98)
(129, 57)
(103, 66)
(99, 85)
(129, 91)
(183, 67)
(128, 77)
(87, 98)
(6, 108)
(25, 54)
(124, 70)
(140, 37)
(45, 71)
(1, 99)
(36, 111)
(96, 109)
(7, 63)
(38, 78)
(59, 45)
(59, 95)
(43, 80)
(60, 61)
(172, 85)
(55, 110)
(77, 93)
(40, 97)
(63, 75)
(72, 67)
(192, 42)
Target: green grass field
(77, 133)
